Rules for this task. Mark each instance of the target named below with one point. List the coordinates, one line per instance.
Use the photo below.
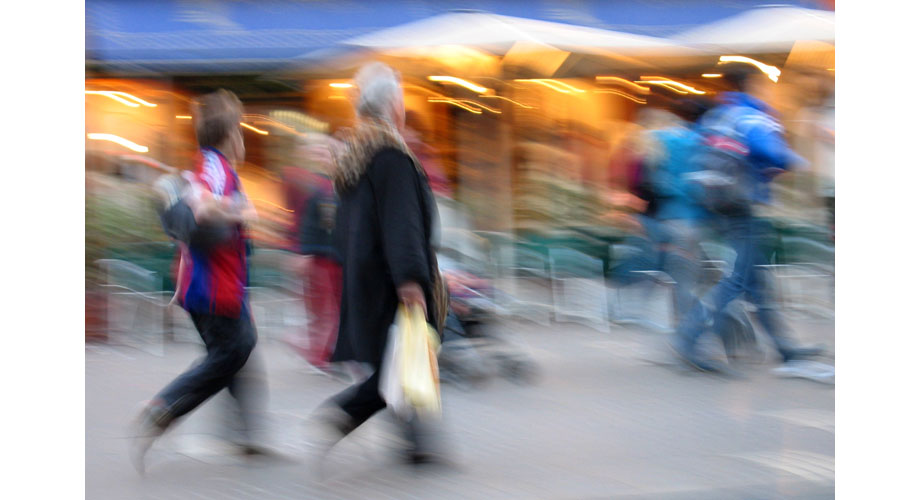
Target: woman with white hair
(384, 227)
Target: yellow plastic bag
(409, 377)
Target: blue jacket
(750, 121)
(675, 195)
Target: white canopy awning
(499, 33)
(514, 38)
(763, 30)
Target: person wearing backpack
(744, 150)
(678, 212)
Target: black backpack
(724, 172)
(179, 222)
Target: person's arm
(180, 274)
(765, 137)
(398, 193)
(208, 209)
(247, 209)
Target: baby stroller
(471, 352)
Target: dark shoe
(798, 353)
(425, 445)
(427, 459)
(327, 426)
(264, 453)
(701, 364)
(147, 427)
(691, 359)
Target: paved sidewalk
(610, 416)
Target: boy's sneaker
(149, 425)
(698, 362)
(811, 370)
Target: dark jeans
(680, 259)
(229, 342)
(362, 401)
(750, 238)
(673, 247)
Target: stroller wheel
(519, 371)
(456, 380)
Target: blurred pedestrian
(426, 155)
(209, 225)
(678, 215)
(384, 231)
(322, 271)
(813, 134)
(746, 126)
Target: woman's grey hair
(378, 87)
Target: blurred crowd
(373, 220)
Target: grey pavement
(610, 416)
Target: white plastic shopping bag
(409, 374)
(390, 380)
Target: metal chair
(135, 305)
(578, 288)
(275, 293)
(645, 297)
(802, 263)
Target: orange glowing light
(556, 85)
(121, 141)
(623, 81)
(461, 82)
(256, 130)
(622, 94)
(772, 72)
(512, 101)
(456, 103)
(680, 88)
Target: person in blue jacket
(752, 123)
(678, 212)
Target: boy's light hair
(215, 116)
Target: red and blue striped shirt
(214, 282)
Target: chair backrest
(129, 276)
(800, 250)
(155, 256)
(566, 262)
(529, 260)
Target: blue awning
(219, 36)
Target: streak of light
(121, 141)
(459, 81)
(256, 130)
